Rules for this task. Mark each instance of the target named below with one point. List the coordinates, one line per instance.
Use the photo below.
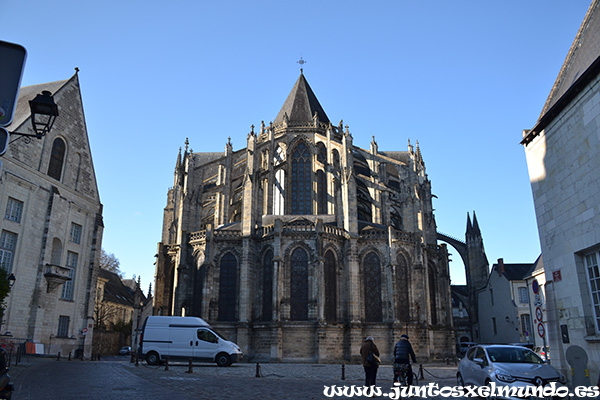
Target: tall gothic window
(301, 180)
(321, 192)
(372, 288)
(432, 295)
(279, 184)
(402, 289)
(299, 285)
(267, 284)
(57, 158)
(227, 288)
(330, 276)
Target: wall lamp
(43, 114)
(11, 280)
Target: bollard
(447, 361)
(343, 372)
(421, 376)
(190, 370)
(132, 357)
(98, 356)
(167, 364)
(69, 359)
(137, 359)
(17, 356)
(58, 356)
(257, 371)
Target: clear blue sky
(464, 78)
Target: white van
(183, 338)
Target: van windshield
(219, 335)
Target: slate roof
(516, 272)
(581, 65)
(301, 104)
(583, 52)
(114, 290)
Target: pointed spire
(301, 105)
(469, 226)
(475, 225)
(178, 164)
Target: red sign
(538, 314)
(541, 330)
(556, 276)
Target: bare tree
(110, 263)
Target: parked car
(463, 347)
(505, 365)
(126, 350)
(543, 352)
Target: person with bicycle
(402, 351)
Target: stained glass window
(402, 289)
(301, 180)
(267, 293)
(299, 285)
(57, 158)
(330, 276)
(227, 288)
(372, 288)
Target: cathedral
(299, 245)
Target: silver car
(505, 365)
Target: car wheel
(152, 358)
(489, 383)
(223, 360)
(459, 380)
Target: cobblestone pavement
(116, 378)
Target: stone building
(564, 169)
(301, 244)
(51, 233)
(504, 312)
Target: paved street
(116, 378)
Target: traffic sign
(84, 331)
(4, 137)
(535, 286)
(12, 63)
(539, 314)
(541, 330)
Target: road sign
(12, 63)
(539, 314)
(4, 137)
(535, 286)
(541, 330)
(84, 331)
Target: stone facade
(301, 244)
(564, 169)
(52, 226)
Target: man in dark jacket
(370, 368)
(402, 352)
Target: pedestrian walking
(370, 358)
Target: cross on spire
(301, 62)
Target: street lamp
(43, 113)
(11, 280)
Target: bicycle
(401, 372)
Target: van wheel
(223, 360)
(152, 358)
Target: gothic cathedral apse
(301, 244)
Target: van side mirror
(216, 340)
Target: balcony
(55, 276)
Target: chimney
(500, 266)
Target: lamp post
(43, 114)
